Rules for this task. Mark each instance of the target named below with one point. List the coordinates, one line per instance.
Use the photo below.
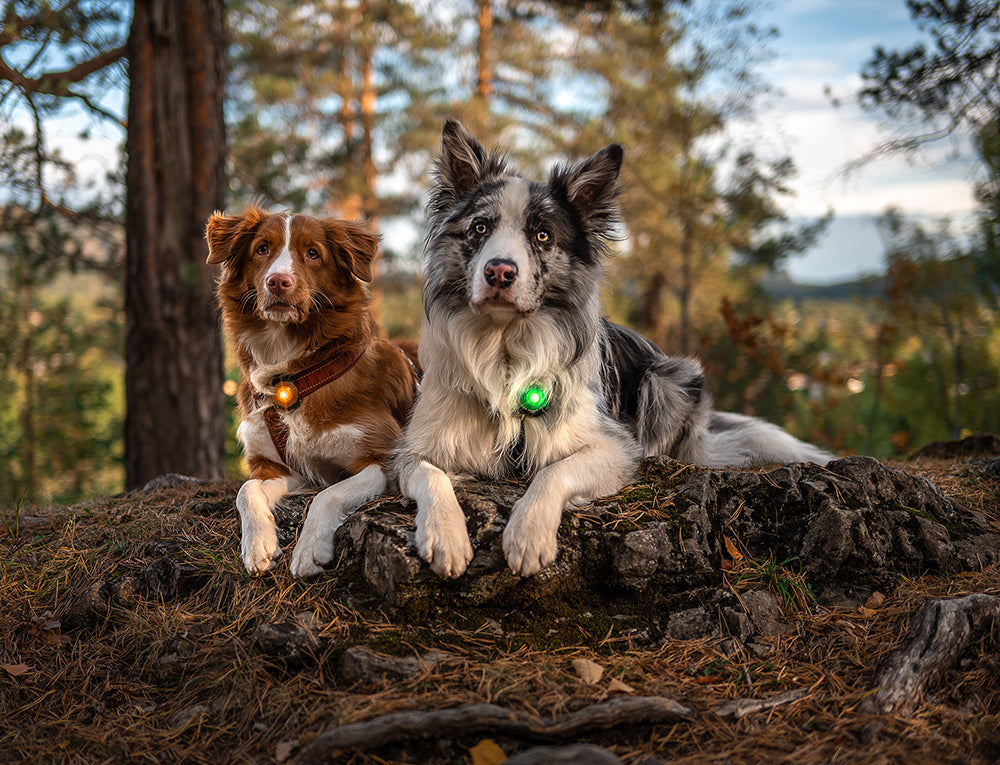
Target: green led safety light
(533, 400)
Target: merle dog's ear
(228, 235)
(592, 185)
(463, 160)
(355, 243)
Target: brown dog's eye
(263, 250)
(312, 253)
(543, 236)
(480, 226)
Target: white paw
(313, 551)
(260, 549)
(529, 542)
(443, 541)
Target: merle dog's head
(508, 247)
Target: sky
(823, 44)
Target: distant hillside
(780, 284)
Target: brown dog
(322, 397)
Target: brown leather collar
(298, 386)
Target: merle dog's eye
(312, 253)
(543, 236)
(480, 226)
(263, 249)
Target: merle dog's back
(663, 400)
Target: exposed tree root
(743, 707)
(493, 719)
(940, 631)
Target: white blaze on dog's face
(289, 270)
(507, 247)
(501, 275)
(278, 279)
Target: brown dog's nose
(500, 273)
(278, 283)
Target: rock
(172, 481)
(737, 624)
(978, 445)
(288, 514)
(162, 579)
(287, 640)
(184, 717)
(575, 754)
(851, 527)
(989, 467)
(692, 623)
(764, 612)
(651, 555)
(363, 665)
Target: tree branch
(495, 719)
(57, 83)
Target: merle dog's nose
(500, 273)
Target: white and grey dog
(523, 376)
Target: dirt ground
(131, 633)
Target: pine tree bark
(175, 178)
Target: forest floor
(197, 662)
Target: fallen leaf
(486, 752)
(56, 638)
(16, 670)
(283, 751)
(46, 621)
(588, 671)
(618, 686)
(875, 600)
(731, 548)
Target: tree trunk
(369, 102)
(651, 318)
(484, 65)
(28, 414)
(175, 178)
(484, 79)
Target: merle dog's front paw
(443, 541)
(530, 540)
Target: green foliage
(60, 255)
(790, 587)
(62, 369)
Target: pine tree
(666, 89)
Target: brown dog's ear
(227, 234)
(357, 244)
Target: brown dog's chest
(323, 454)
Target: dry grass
(186, 681)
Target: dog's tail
(738, 440)
(664, 400)
(674, 417)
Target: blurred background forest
(335, 108)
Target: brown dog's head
(289, 269)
